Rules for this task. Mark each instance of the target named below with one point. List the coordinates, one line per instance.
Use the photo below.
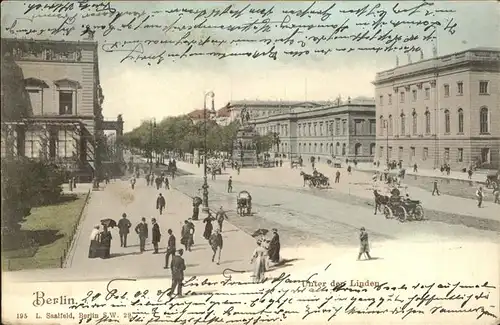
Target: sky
(140, 91)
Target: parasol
(260, 232)
(108, 222)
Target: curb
(69, 253)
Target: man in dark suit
(156, 235)
(160, 203)
(124, 229)
(142, 230)
(177, 268)
(170, 247)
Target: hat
(180, 251)
(275, 230)
(362, 228)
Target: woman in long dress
(94, 242)
(105, 242)
(208, 227)
(259, 262)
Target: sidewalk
(358, 184)
(129, 262)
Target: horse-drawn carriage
(399, 207)
(493, 180)
(315, 180)
(244, 203)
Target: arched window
(321, 148)
(460, 120)
(357, 149)
(390, 125)
(315, 147)
(484, 120)
(446, 121)
(337, 149)
(310, 147)
(381, 125)
(427, 122)
(403, 122)
(331, 148)
(343, 149)
(372, 149)
(414, 122)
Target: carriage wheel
(494, 184)
(418, 214)
(402, 214)
(388, 212)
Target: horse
(306, 177)
(380, 200)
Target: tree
(263, 142)
(15, 99)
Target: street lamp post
(386, 126)
(205, 184)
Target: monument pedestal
(245, 150)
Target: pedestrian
(281, 162)
(274, 247)
(185, 235)
(74, 182)
(155, 235)
(349, 169)
(220, 216)
(238, 168)
(147, 179)
(94, 242)
(132, 182)
(167, 185)
(435, 189)
(177, 269)
(196, 210)
(70, 184)
(105, 244)
(170, 247)
(364, 246)
(415, 168)
(160, 203)
(106, 178)
(337, 176)
(191, 233)
(469, 172)
(142, 230)
(378, 163)
(158, 182)
(496, 195)
(378, 204)
(208, 226)
(124, 229)
(230, 184)
(259, 262)
(480, 196)
(216, 243)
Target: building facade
(344, 130)
(443, 110)
(63, 121)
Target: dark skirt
(105, 250)
(208, 231)
(94, 249)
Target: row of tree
(179, 134)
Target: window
(460, 88)
(65, 102)
(372, 149)
(390, 125)
(344, 127)
(380, 151)
(427, 122)
(425, 154)
(447, 154)
(343, 149)
(31, 144)
(381, 125)
(446, 90)
(309, 129)
(389, 99)
(315, 129)
(403, 122)
(483, 87)
(483, 120)
(337, 127)
(460, 155)
(373, 127)
(65, 144)
(381, 100)
(390, 153)
(427, 93)
(414, 95)
(321, 128)
(460, 120)
(402, 97)
(400, 153)
(412, 153)
(36, 100)
(447, 121)
(310, 147)
(358, 127)
(357, 149)
(321, 148)
(414, 123)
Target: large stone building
(444, 110)
(61, 120)
(341, 130)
